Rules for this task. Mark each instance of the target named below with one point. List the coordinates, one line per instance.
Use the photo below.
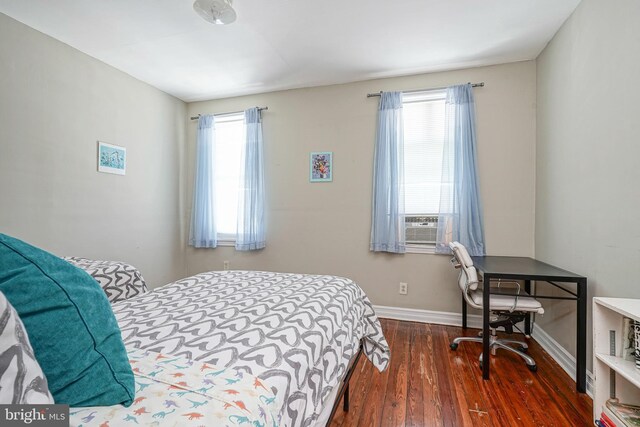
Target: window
(230, 136)
(424, 133)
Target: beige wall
(55, 103)
(324, 227)
(588, 147)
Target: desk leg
(464, 313)
(527, 320)
(486, 333)
(581, 359)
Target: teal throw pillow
(71, 326)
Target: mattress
(295, 332)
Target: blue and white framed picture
(112, 158)
(321, 166)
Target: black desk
(528, 269)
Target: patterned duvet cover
(295, 332)
(179, 392)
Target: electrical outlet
(403, 289)
(226, 265)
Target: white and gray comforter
(296, 332)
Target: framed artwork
(112, 158)
(321, 166)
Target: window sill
(420, 249)
(227, 243)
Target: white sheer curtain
(202, 233)
(460, 217)
(387, 222)
(251, 200)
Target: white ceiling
(283, 44)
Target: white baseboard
(560, 355)
(566, 361)
(427, 316)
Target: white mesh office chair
(506, 310)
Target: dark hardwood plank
(394, 410)
(427, 384)
(465, 376)
(372, 411)
(453, 410)
(556, 385)
(503, 375)
(498, 410)
(415, 399)
(432, 404)
(526, 391)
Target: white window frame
(411, 97)
(226, 239)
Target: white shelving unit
(608, 314)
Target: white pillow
(21, 378)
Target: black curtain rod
(370, 95)
(228, 114)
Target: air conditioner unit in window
(421, 229)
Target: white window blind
(424, 133)
(229, 140)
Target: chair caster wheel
(532, 368)
(523, 349)
(453, 346)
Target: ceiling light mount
(219, 12)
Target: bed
(289, 338)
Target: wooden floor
(427, 384)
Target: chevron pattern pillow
(21, 378)
(119, 280)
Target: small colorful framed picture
(112, 158)
(321, 166)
